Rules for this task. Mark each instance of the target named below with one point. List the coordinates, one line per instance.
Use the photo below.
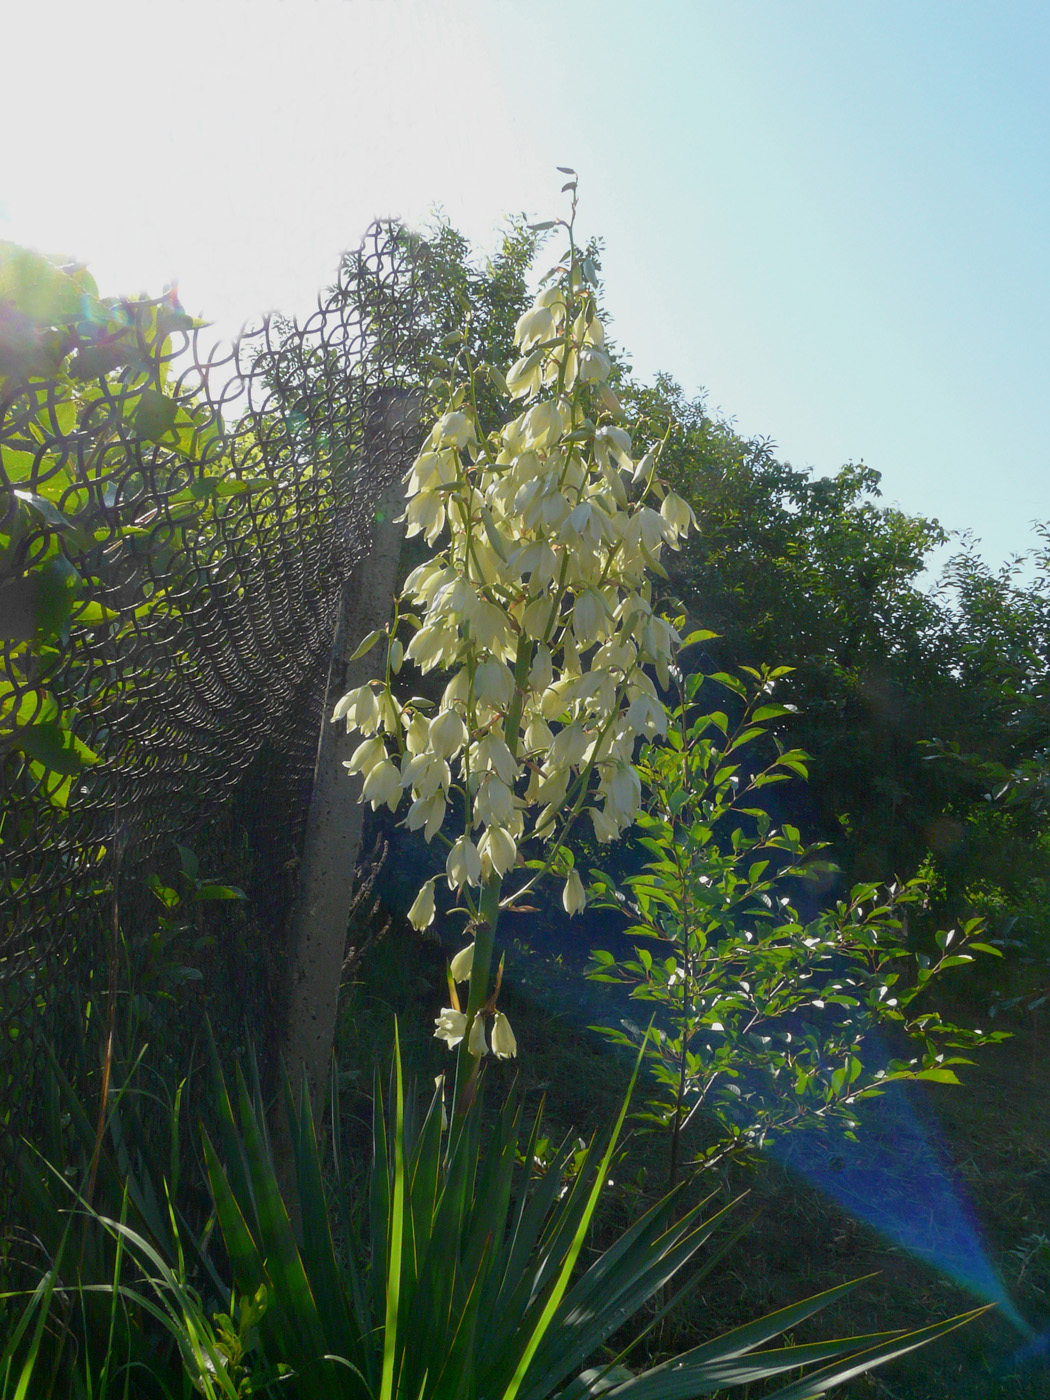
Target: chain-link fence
(176, 523)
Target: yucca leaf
(680, 1382)
(395, 1238)
(318, 1248)
(244, 1256)
(276, 1238)
(597, 1306)
(753, 1334)
(821, 1381)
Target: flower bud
(503, 1043)
(421, 915)
(541, 673)
(462, 963)
(573, 896)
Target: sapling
(766, 1022)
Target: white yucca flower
(537, 603)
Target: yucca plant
(461, 1278)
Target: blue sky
(832, 216)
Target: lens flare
(897, 1178)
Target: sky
(831, 217)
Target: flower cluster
(540, 609)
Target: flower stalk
(537, 603)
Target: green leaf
(55, 748)
(155, 415)
(33, 286)
(43, 507)
(213, 892)
(395, 1238)
(939, 1075)
(93, 614)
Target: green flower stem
(480, 977)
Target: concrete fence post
(332, 843)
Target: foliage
(768, 1019)
(76, 365)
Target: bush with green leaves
(766, 1022)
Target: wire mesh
(176, 523)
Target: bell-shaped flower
(552, 786)
(491, 754)
(540, 562)
(383, 784)
(545, 422)
(463, 866)
(458, 599)
(424, 580)
(447, 734)
(360, 709)
(451, 1026)
(588, 330)
(454, 430)
(490, 630)
(554, 297)
(427, 647)
(645, 715)
(504, 1044)
(421, 915)
(462, 963)
(613, 445)
(493, 685)
(428, 813)
(477, 1044)
(525, 377)
(494, 802)
(678, 513)
(605, 829)
(590, 617)
(653, 529)
(573, 896)
(365, 757)
(570, 744)
(623, 793)
(498, 851)
(426, 774)
(538, 737)
(536, 618)
(537, 324)
(417, 733)
(425, 515)
(594, 365)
